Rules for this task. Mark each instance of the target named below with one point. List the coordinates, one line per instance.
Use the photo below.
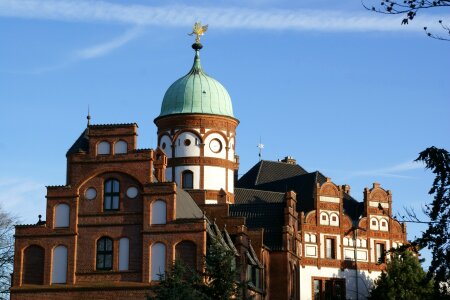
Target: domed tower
(197, 131)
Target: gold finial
(198, 30)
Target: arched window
(124, 254)
(313, 238)
(59, 266)
(104, 253)
(111, 195)
(33, 265)
(187, 180)
(324, 219)
(62, 215)
(307, 239)
(120, 147)
(103, 148)
(159, 212)
(158, 261)
(186, 251)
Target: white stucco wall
(169, 174)
(365, 280)
(209, 153)
(194, 169)
(168, 149)
(181, 150)
(215, 178)
(230, 181)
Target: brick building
(125, 214)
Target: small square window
(324, 218)
(333, 218)
(374, 223)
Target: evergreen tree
(218, 282)
(221, 272)
(437, 235)
(404, 278)
(179, 283)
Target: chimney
(289, 160)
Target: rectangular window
(330, 247)
(111, 195)
(380, 253)
(328, 288)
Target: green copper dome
(196, 93)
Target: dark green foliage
(179, 283)
(217, 282)
(221, 272)
(437, 235)
(404, 278)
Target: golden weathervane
(198, 30)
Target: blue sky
(343, 90)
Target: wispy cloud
(104, 48)
(390, 171)
(24, 197)
(225, 17)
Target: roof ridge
(260, 190)
(259, 171)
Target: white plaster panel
(209, 153)
(329, 199)
(313, 238)
(169, 174)
(181, 150)
(384, 224)
(365, 280)
(361, 255)
(349, 254)
(307, 239)
(231, 150)
(230, 181)
(334, 216)
(194, 169)
(214, 178)
(168, 149)
(374, 224)
(311, 250)
(210, 201)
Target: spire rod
(260, 147)
(88, 117)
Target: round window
(215, 145)
(187, 142)
(132, 192)
(90, 193)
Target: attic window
(103, 148)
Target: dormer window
(111, 195)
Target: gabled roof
(186, 207)
(283, 177)
(81, 145)
(267, 171)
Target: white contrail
(226, 17)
